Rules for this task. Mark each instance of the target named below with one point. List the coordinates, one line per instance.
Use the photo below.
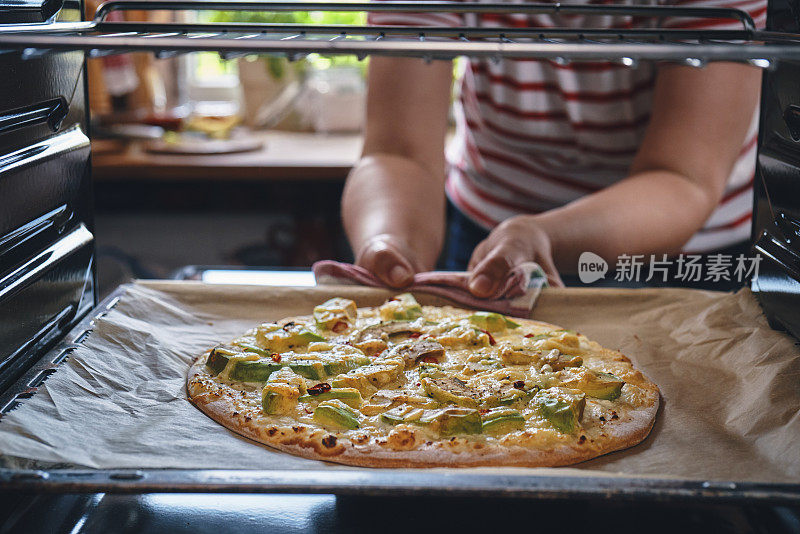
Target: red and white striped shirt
(534, 134)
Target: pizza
(405, 385)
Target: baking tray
(357, 481)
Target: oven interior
(48, 289)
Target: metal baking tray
(360, 481)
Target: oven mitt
(516, 296)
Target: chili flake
(491, 338)
(319, 389)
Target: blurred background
(220, 160)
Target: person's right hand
(388, 258)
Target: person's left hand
(514, 241)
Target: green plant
(278, 64)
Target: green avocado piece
(336, 368)
(277, 398)
(449, 390)
(252, 348)
(451, 421)
(404, 413)
(409, 308)
(335, 413)
(252, 371)
(502, 421)
(491, 321)
(513, 396)
(308, 336)
(218, 358)
(602, 385)
(310, 369)
(563, 409)
(284, 339)
(369, 377)
(333, 311)
(349, 396)
(346, 364)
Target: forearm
(651, 212)
(393, 195)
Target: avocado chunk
(451, 421)
(334, 413)
(501, 421)
(512, 396)
(218, 358)
(403, 307)
(252, 371)
(370, 377)
(286, 338)
(451, 390)
(562, 408)
(404, 413)
(334, 311)
(311, 369)
(596, 384)
(349, 396)
(345, 364)
(252, 348)
(491, 321)
(278, 398)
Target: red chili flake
(582, 440)
(319, 389)
(530, 335)
(519, 384)
(340, 327)
(491, 339)
(275, 357)
(429, 359)
(484, 411)
(414, 335)
(307, 410)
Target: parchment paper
(730, 385)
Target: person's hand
(387, 257)
(514, 241)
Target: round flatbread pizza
(404, 385)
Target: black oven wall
(47, 279)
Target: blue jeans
(463, 236)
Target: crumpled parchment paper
(730, 384)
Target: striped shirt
(535, 134)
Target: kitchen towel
(515, 296)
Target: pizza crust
(300, 439)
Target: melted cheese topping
(478, 369)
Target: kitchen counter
(289, 156)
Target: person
(550, 159)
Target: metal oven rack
(101, 36)
(692, 47)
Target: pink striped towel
(516, 296)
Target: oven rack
(101, 36)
